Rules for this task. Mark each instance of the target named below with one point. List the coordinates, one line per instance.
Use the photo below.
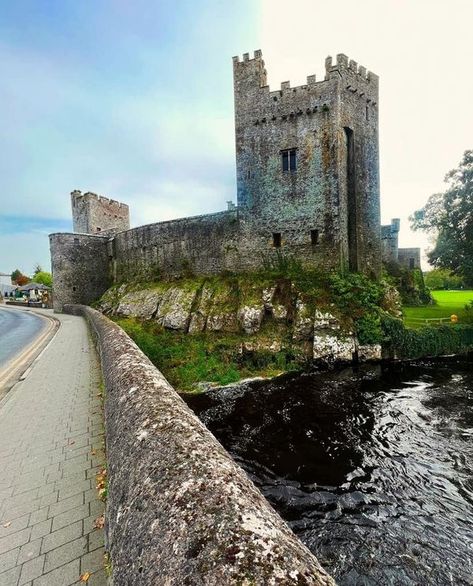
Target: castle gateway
(307, 163)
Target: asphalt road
(18, 328)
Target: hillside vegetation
(223, 328)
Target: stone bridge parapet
(179, 509)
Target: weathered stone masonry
(327, 209)
(94, 214)
(308, 188)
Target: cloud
(133, 101)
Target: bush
(428, 341)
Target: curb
(18, 369)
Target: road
(18, 328)
(51, 448)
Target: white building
(5, 279)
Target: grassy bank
(447, 303)
(186, 360)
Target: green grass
(187, 359)
(447, 304)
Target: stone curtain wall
(80, 268)
(179, 510)
(202, 245)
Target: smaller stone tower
(390, 240)
(95, 214)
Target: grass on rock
(186, 359)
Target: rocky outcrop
(175, 307)
(140, 304)
(179, 509)
(273, 316)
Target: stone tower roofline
(77, 195)
(357, 76)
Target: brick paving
(51, 447)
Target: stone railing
(179, 509)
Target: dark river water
(373, 469)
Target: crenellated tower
(95, 214)
(308, 162)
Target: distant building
(406, 257)
(5, 279)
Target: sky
(134, 100)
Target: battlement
(251, 72)
(257, 55)
(113, 203)
(343, 66)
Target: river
(373, 469)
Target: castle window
(314, 237)
(277, 239)
(289, 161)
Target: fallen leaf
(99, 522)
(7, 524)
(72, 442)
(93, 452)
(85, 577)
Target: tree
(18, 278)
(22, 280)
(449, 217)
(442, 279)
(43, 277)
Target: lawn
(447, 303)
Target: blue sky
(133, 99)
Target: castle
(307, 164)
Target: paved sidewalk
(51, 447)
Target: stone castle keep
(307, 163)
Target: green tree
(15, 274)
(41, 276)
(442, 279)
(449, 216)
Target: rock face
(140, 304)
(250, 318)
(174, 310)
(273, 316)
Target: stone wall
(409, 257)
(80, 268)
(92, 213)
(332, 198)
(202, 245)
(179, 510)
